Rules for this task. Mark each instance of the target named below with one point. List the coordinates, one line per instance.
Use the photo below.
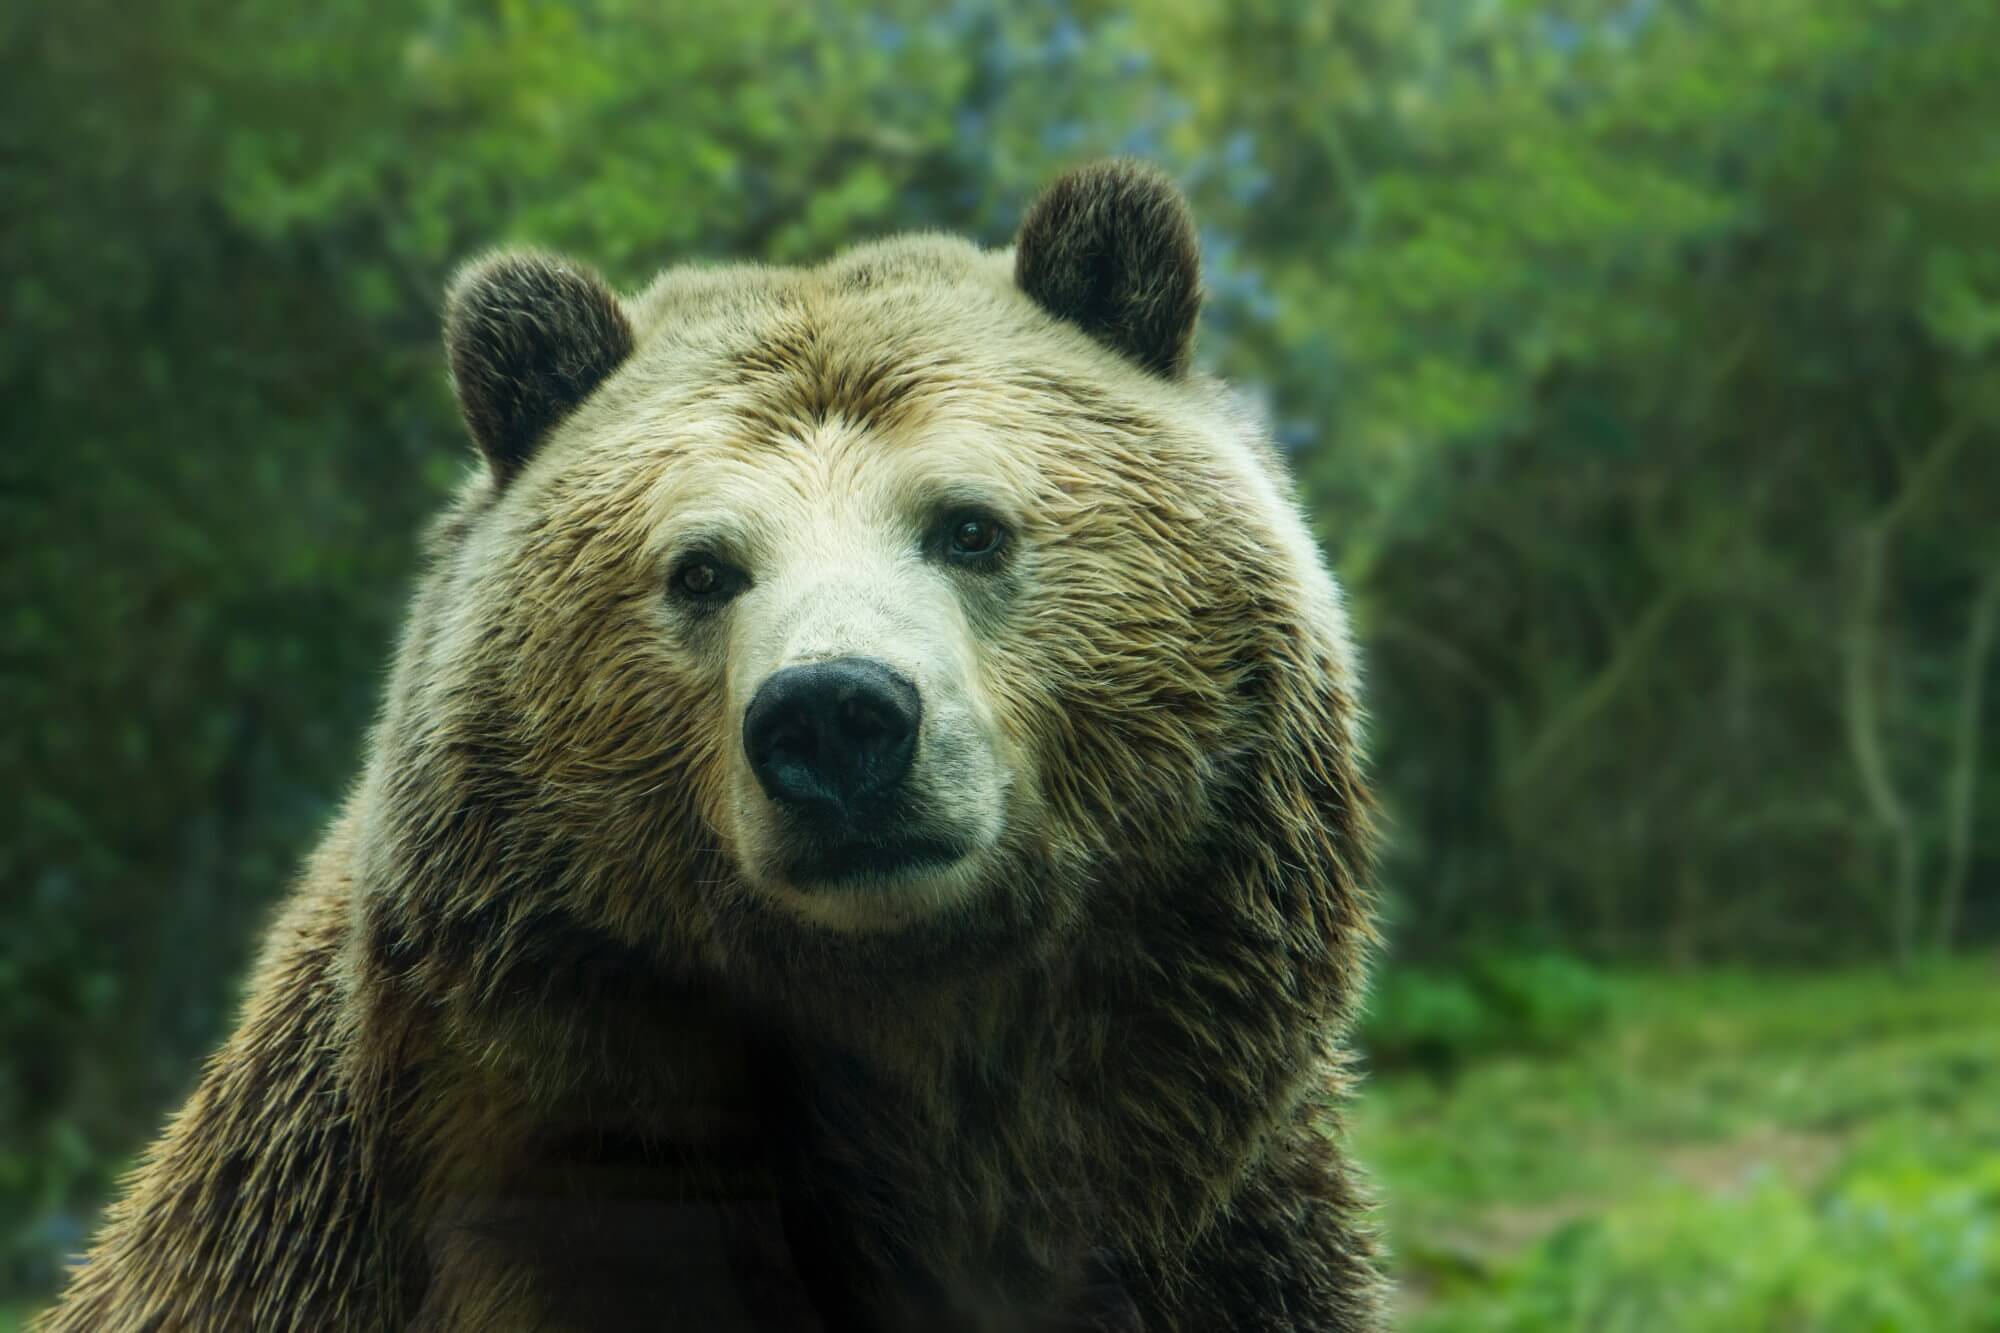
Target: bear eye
(705, 580)
(972, 536)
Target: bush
(1438, 1019)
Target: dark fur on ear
(529, 336)
(1111, 246)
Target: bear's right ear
(1111, 247)
(528, 336)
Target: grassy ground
(1728, 1152)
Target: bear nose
(834, 737)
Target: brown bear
(864, 832)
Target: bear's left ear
(529, 336)
(1112, 247)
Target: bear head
(886, 619)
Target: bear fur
(549, 1036)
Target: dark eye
(705, 580)
(971, 536)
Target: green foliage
(1442, 1017)
(1652, 295)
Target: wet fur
(525, 1050)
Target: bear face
(853, 621)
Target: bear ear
(1111, 247)
(528, 336)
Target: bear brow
(793, 379)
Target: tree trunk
(1961, 802)
(1864, 737)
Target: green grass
(1727, 1152)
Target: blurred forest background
(1640, 364)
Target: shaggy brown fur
(536, 1046)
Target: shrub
(1437, 1019)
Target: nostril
(863, 720)
(792, 733)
